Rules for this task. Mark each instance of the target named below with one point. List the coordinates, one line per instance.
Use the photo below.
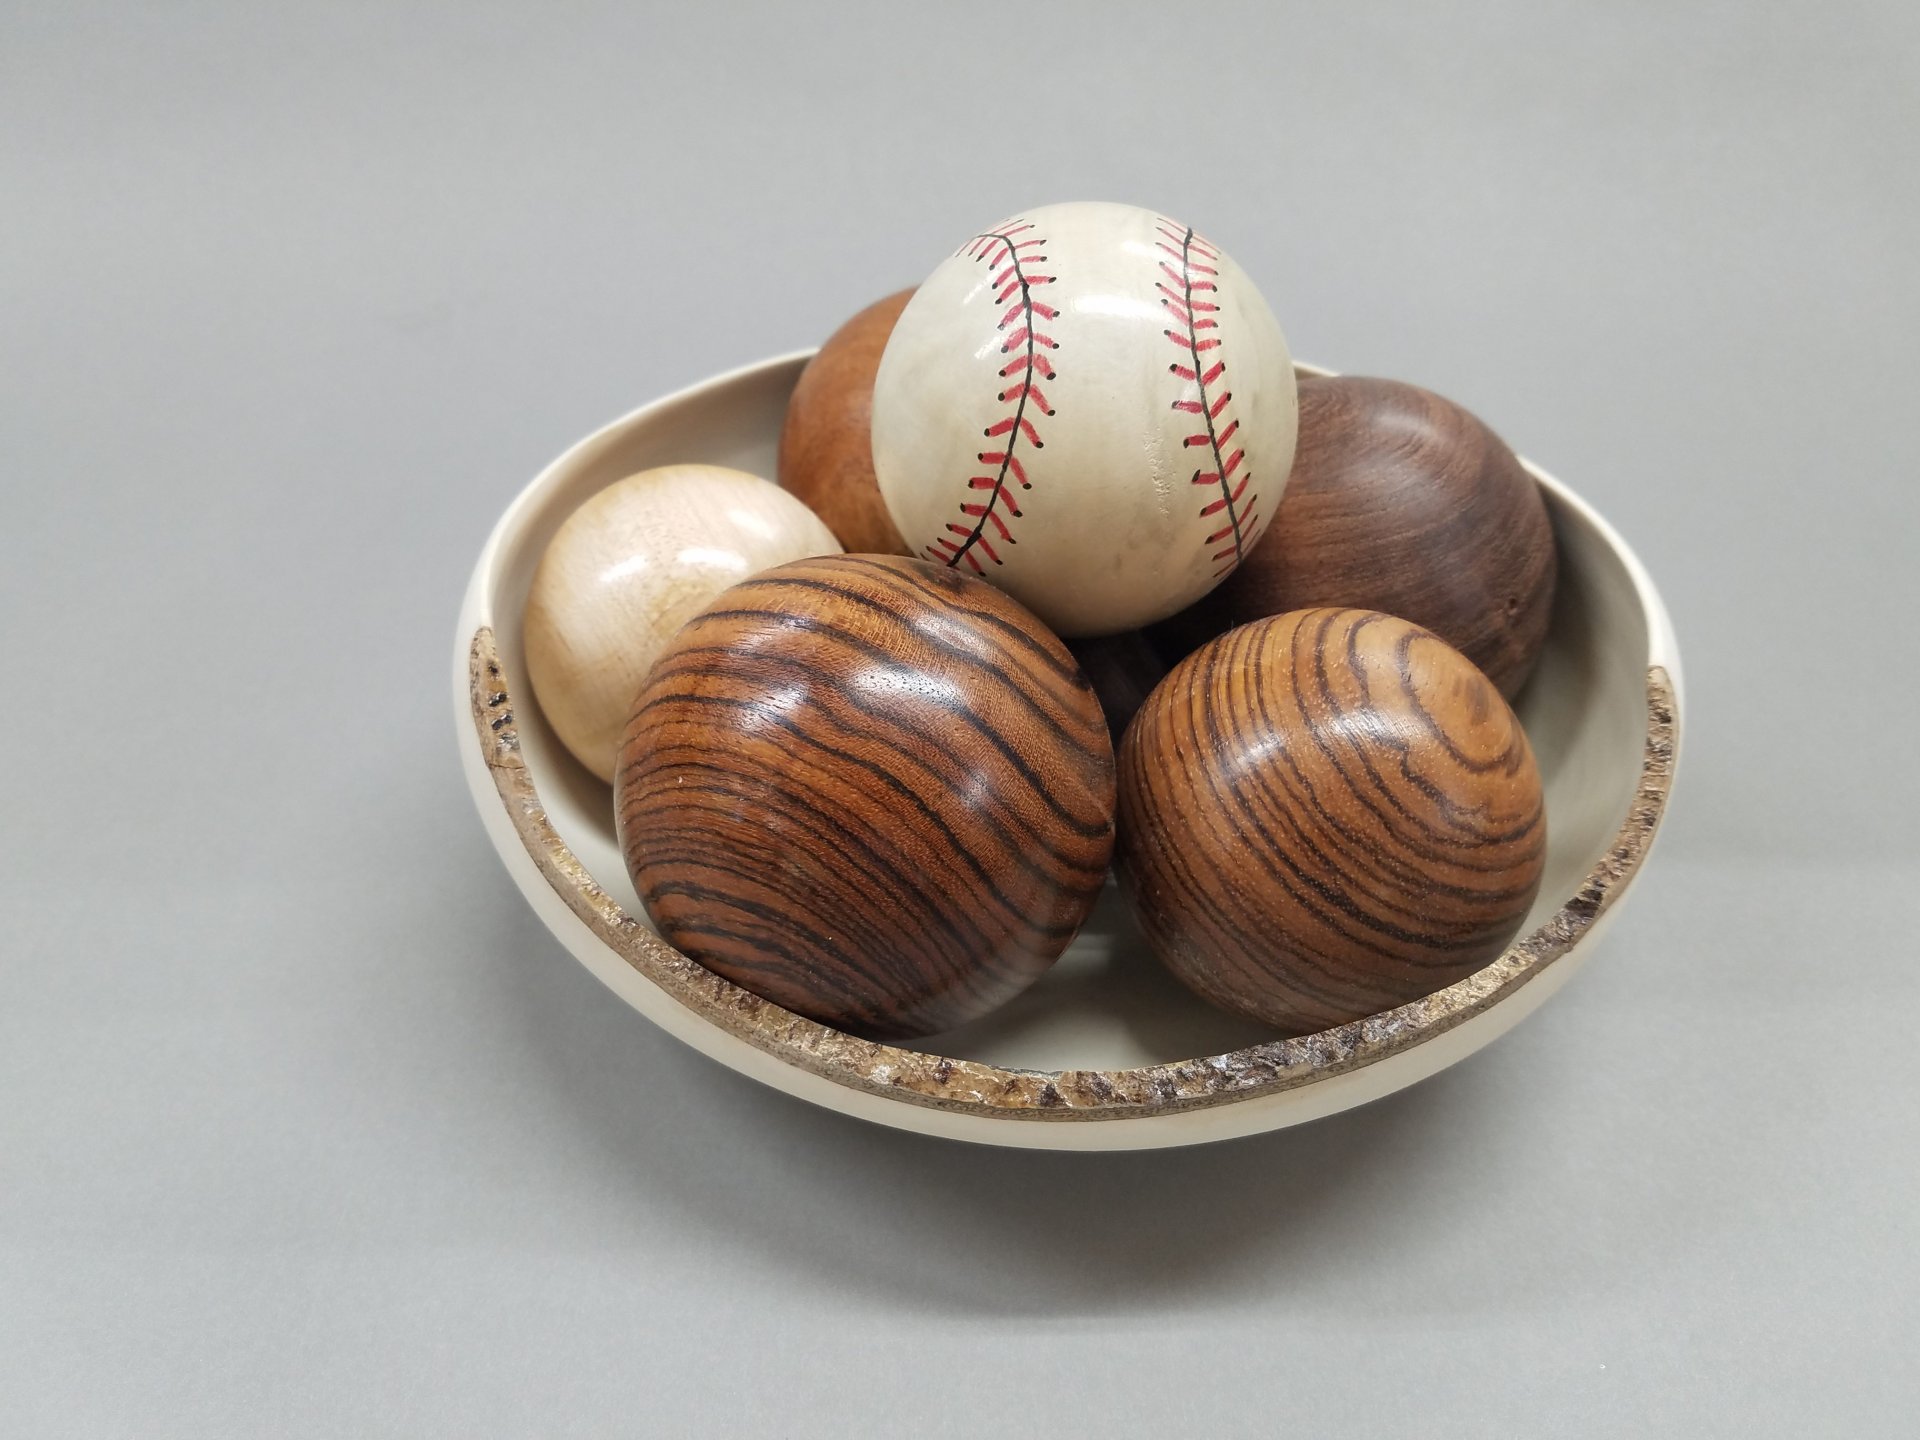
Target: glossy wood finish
(628, 568)
(1327, 814)
(826, 446)
(869, 789)
(1404, 502)
(1091, 406)
(1050, 1070)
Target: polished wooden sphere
(826, 446)
(1327, 814)
(870, 789)
(627, 569)
(1403, 502)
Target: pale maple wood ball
(1327, 814)
(1405, 502)
(628, 569)
(826, 446)
(869, 789)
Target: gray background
(308, 1128)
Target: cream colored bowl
(1105, 1052)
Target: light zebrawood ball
(826, 445)
(628, 569)
(1327, 814)
(870, 789)
(1402, 501)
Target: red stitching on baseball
(1194, 271)
(1013, 279)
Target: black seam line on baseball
(1453, 838)
(1358, 844)
(906, 586)
(1086, 829)
(868, 954)
(1304, 888)
(1019, 410)
(1020, 856)
(895, 885)
(1464, 819)
(1016, 835)
(1213, 440)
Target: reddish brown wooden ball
(870, 789)
(1327, 814)
(826, 453)
(1403, 502)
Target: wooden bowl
(1105, 1052)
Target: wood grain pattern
(971, 1087)
(869, 789)
(1403, 502)
(826, 444)
(1327, 814)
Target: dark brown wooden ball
(870, 789)
(1327, 814)
(826, 446)
(1403, 502)
(1123, 669)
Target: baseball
(1090, 406)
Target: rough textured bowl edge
(968, 1099)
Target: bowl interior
(1106, 1004)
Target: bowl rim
(971, 1099)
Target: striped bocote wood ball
(627, 568)
(1327, 814)
(826, 447)
(870, 789)
(1404, 502)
